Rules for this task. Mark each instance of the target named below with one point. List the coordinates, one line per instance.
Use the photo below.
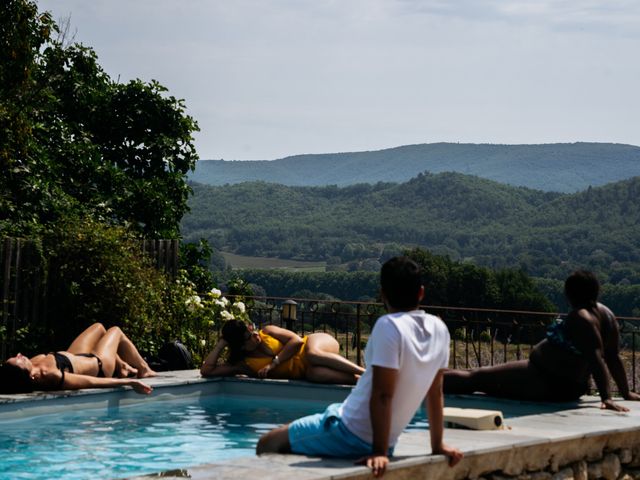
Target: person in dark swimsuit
(584, 345)
(97, 358)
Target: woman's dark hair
(235, 334)
(582, 289)
(400, 280)
(14, 379)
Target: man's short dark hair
(400, 280)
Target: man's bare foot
(145, 372)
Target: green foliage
(72, 141)
(194, 317)
(195, 259)
(467, 219)
(465, 285)
(97, 273)
(446, 283)
(342, 285)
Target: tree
(73, 141)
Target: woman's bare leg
(329, 375)
(517, 380)
(87, 340)
(115, 347)
(129, 353)
(322, 350)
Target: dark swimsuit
(565, 389)
(64, 364)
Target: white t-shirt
(414, 343)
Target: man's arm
(434, 405)
(614, 362)
(586, 336)
(382, 390)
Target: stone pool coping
(538, 436)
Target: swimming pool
(141, 438)
(144, 437)
(187, 421)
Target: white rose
(226, 315)
(240, 307)
(215, 293)
(190, 305)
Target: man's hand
(263, 372)
(611, 405)
(452, 453)
(377, 464)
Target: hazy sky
(271, 78)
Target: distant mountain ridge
(556, 167)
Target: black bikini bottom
(91, 355)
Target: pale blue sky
(271, 78)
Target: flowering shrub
(198, 317)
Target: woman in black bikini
(585, 344)
(97, 358)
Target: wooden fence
(23, 282)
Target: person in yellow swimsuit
(276, 352)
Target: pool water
(144, 438)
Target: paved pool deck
(537, 436)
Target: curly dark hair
(14, 380)
(582, 289)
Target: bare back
(588, 330)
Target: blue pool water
(143, 438)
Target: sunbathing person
(279, 353)
(585, 344)
(91, 361)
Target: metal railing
(479, 337)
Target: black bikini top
(64, 365)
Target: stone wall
(621, 464)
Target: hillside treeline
(466, 218)
(446, 282)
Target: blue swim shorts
(324, 434)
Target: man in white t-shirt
(405, 356)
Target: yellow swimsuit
(293, 368)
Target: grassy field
(242, 261)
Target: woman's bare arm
(211, 361)
(291, 345)
(210, 367)
(74, 381)
(290, 340)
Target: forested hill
(468, 218)
(560, 167)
